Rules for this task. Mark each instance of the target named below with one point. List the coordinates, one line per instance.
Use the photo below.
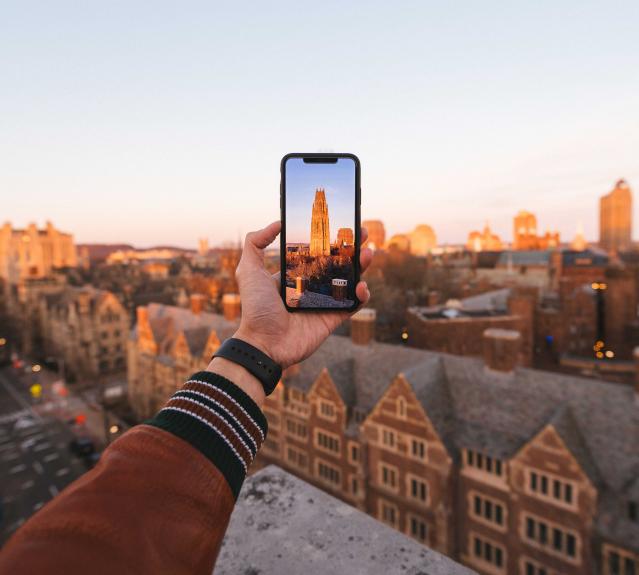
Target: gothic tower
(320, 236)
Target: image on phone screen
(320, 236)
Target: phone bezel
(358, 226)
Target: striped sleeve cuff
(220, 420)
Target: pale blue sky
(160, 122)
(302, 180)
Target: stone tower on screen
(320, 236)
(615, 218)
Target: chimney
(501, 349)
(363, 326)
(231, 307)
(433, 298)
(197, 301)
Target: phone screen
(320, 231)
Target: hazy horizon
(122, 124)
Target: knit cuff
(220, 420)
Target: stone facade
(484, 241)
(170, 343)
(525, 236)
(507, 470)
(87, 329)
(615, 218)
(31, 253)
(320, 232)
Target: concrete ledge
(283, 525)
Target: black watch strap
(253, 360)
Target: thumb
(254, 244)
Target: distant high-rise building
(320, 234)
(376, 234)
(422, 240)
(615, 218)
(484, 241)
(345, 237)
(31, 253)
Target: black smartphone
(320, 238)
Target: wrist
(240, 376)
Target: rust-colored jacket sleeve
(160, 498)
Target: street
(35, 461)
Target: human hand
(285, 337)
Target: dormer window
(484, 462)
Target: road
(35, 461)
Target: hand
(285, 337)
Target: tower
(615, 218)
(525, 231)
(320, 236)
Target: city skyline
(159, 137)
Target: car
(82, 447)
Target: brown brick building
(505, 469)
(458, 326)
(169, 343)
(87, 328)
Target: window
(271, 445)
(552, 538)
(488, 551)
(531, 567)
(354, 485)
(327, 442)
(326, 409)
(401, 407)
(418, 528)
(388, 438)
(484, 462)
(296, 457)
(632, 511)
(418, 489)
(487, 509)
(354, 453)
(328, 473)
(296, 428)
(545, 486)
(388, 476)
(620, 562)
(418, 449)
(388, 513)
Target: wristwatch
(253, 360)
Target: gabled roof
(565, 424)
(430, 385)
(168, 321)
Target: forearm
(161, 496)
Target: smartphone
(320, 239)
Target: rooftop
(282, 524)
(493, 412)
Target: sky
(162, 122)
(302, 180)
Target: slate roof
(493, 302)
(524, 258)
(168, 321)
(497, 413)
